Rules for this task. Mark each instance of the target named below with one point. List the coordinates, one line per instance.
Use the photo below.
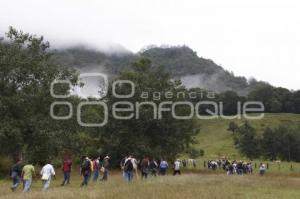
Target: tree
(229, 101)
(276, 99)
(247, 142)
(165, 137)
(25, 78)
(296, 102)
(265, 93)
(270, 144)
(281, 142)
(284, 99)
(233, 127)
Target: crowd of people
(147, 166)
(235, 167)
(131, 167)
(27, 174)
(90, 169)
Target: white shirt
(176, 165)
(48, 170)
(133, 161)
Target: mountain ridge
(180, 61)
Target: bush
(201, 152)
(5, 164)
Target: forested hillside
(180, 61)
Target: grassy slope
(216, 141)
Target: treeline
(275, 99)
(280, 143)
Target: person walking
(145, 167)
(230, 169)
(28, 173)
(184, 163)
(240, 168)
(96, 165)
(66, 168)
(153, 167)
(249, 168)
(163, 166)
(106, 168)
(15, 174)
(128, 168)
(262, 169)
(177, 167)
(85, 170)
(47, 172)
(194, 163)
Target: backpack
(128, 165)
(85, 165)
(153, 165)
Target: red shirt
(67, 165)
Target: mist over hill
(180, 61)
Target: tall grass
(217, 186)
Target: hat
(107, 157)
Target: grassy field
(201, 185)
(281, 181)
(217, 142)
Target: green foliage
(202, 152)
(276, 100)
(233, 127)
(5, 164)
(26, 129)
(246, 141)
(145, 135)
(180, 60)
(281, 142)
(230, 100)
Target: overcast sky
(253, 38)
